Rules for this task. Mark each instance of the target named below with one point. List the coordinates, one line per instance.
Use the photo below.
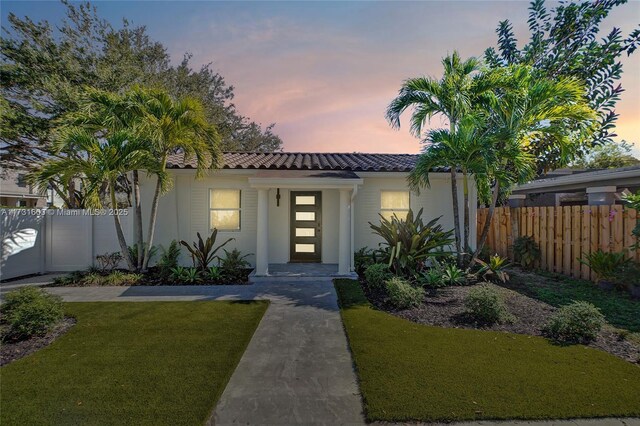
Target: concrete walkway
(297, 368)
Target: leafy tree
(608, 155)
(563, 43)
(102, 162)
(44, 70)
(454, 97)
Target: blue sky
(325, 71)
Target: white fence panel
(23, 236)
(69, 240)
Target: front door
(306, 226)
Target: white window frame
(396, 210)
(239, 209)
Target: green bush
(402, 294)
(432, 277)
(376, 275)
(409, 242)
(119, 278)
(30, 311)
(578, 322)
(526, 251)
(486, 305)
(605, 265)
(169, 258)
(234, 265)
(452, 275)
(363, 258)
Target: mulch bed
(445, 308)
(14, 350)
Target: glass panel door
(306, 226)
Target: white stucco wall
(185, 211)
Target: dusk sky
(325, 71)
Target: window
(21, 181)
(224, 209)
(394, 202)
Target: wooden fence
(563, 233)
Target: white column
(262, 246)
(344, 233)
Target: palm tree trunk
(487, 224)
(456, 214)
(116, 218)
(152, 226)
(137, 207)
(465, 182)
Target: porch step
(300, 272)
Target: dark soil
(445, 308)
(12, 350)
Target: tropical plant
(432, 277)
(202, 252)
(169, 257)
(108, 261)
(605, 265)
(234, 264)
(135, 254)
(452, 275)
(190, 276)
(169, 125)
(213, 273)
(402, 294)
(526, 251)
(177, 273)
(495, 268)
(578, 322)
(486, 305)
(363, 258)
(528, 110)
(453, 97)
(409, 242)
(101, 162)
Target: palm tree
(528, 109)
(466, 150)
(453, 97)
(170, 126)
(101, 163)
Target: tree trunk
(116, 218)
(465, 182)
(456, 215)
(137, 207)
(152, 226)
(487, 224)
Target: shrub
(605, 265)
(30, 311)
(363, 258)
(185, 275)
(108, 261)
(133, 252)
(526, 251)
(376, 275)
(202, 252)
(213, 274)
(494, 269)
(452, 275)
(486, 305)
(579, 322)
(402, 294)
(119, 278)
(409, 242)
(169, 257)
(234, 265)
(432, 277)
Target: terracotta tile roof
(309, 161)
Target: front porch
(304, 224)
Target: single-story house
(290, 208)
(567, 187)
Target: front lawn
(131, 363)
(618, 307)
(416, 372)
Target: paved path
(297, 368)
(36, 280)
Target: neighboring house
(297, 207)
(578, 187)
(16, 192)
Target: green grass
(409, 371)
(617, 306)
(142, 363)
